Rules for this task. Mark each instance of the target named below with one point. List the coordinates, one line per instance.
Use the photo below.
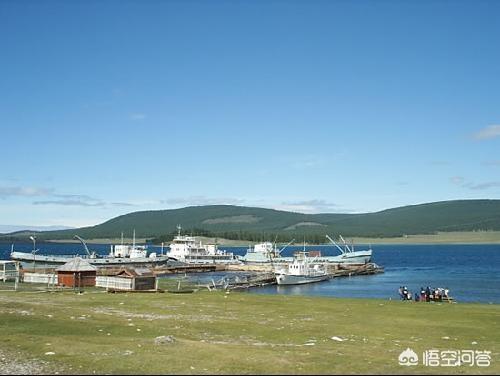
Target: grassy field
(235, 333)
(464, 237)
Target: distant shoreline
(465, 237)
(476, 237)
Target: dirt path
(14, 363)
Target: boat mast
(282, 249)
(84, 244)
(335, 244)
(345, 243)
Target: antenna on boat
(345, 243)
(133, 241)
(122, 237)
(274, 243)
(335, 244)
(281, 250)
(84, 244)
(179, 230)
(270, 254)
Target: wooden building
(128, 279)
(76, 273)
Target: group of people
(426, 295)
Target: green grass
(239, 333)
(456, 237)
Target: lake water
(471, 272)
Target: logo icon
(408, 358)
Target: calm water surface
(471, 272)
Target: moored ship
(303, 269)
(260, 253)
(268, 253)
(121, 254)
(187, 249)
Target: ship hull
(286, 279)
(30, 260)
(210, 259)
(357, 257)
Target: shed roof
(76, 264)
(135, 272)
(143, 271)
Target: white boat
(263, 253)
(349, 255)
(267, 252)
(303, 269)
(187, 249)
(122, 254)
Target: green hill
(250, 223)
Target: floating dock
(333, 269)
(198, 268)
(340, 270)
(264, 276)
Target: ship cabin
(130, 251)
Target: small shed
(76, 273)
(129, 279)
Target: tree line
(251, 236)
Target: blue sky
(110, 107)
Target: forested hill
(250, 223)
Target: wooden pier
(202, 268)
(241, 282)
(347, 270)
(334, 269)
(264, 276)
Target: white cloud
(76, 197)
(121, 204)
(24, 191)
(440, 163)
(202, 200)
(457, 180)
(306, 162)
(138, 116)
(488, 133)
(308, 206)
(79, 200)
(69, 202)
(482, 186)
(491, 163)
(462, 182)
